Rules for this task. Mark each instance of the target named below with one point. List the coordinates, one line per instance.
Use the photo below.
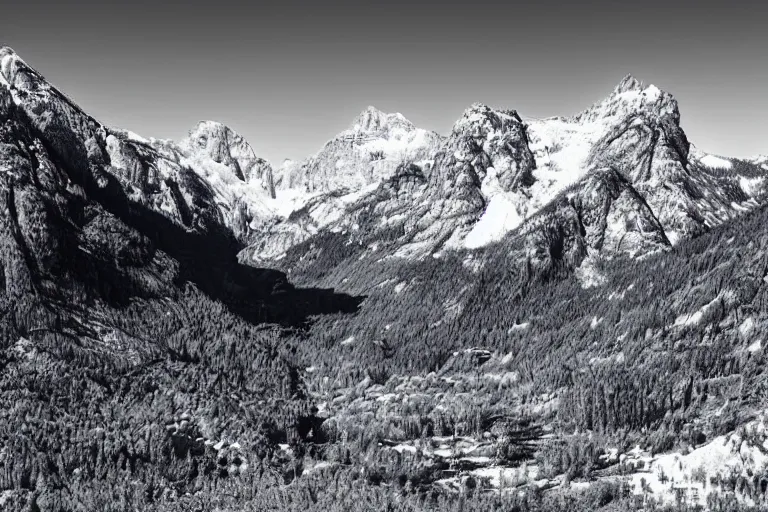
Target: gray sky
(288, 75)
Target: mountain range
(201, 312)
(621, 176)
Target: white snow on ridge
(399, 143)
(691, 319)
(715, 162)
(230, 188)
(561, 148)
(652, 93)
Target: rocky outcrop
(88, 149)
(486, 152)
(224, 146)
(636, 130)
(211, 179)
(602, 213)
(58, 244)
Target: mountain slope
(129, 334)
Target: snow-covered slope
(636, 130)
(760, 160)
(710, 469)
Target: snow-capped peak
(629, 98)
(373, 120)
(370, 150)
(479, 115)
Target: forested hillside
(665, 353)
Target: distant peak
(370, 109)
(481, 113)
(209, 126)
(213, 129)
(371, 119)
(629, 83)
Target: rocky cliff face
(601, 214)
(636, 130)
(59, 245)
(224, 146)
(96, 153)
(486, 154)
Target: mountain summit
(627, 84)
(374, 120)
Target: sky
(290, 74)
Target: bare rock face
(224, 146)
(92, 153)
(601, 214)
(645, 143)
(211, 180)
(487, 138)
(636, 131)
(56, 243)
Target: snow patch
(500, 218)
(698, 474)
(751, 186)
(716, 162)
